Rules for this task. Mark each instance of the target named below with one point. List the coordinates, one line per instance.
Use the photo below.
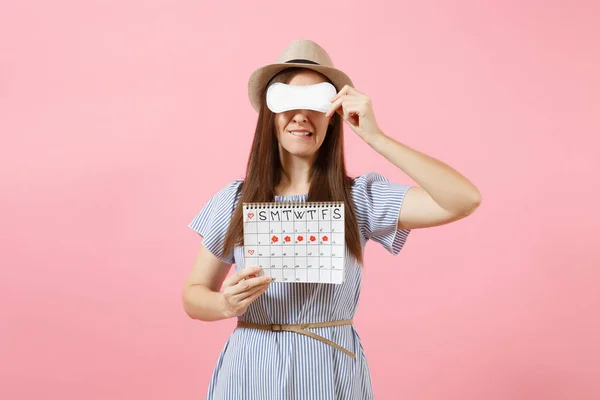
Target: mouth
(301, 134)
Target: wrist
(376, 140)
(223, 310)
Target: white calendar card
(296, 241)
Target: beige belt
(303, 330)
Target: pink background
(119, 119)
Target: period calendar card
(296, 242)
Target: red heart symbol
(325, 238)
(250, 215)
(251, 252)
(275, 239)
(300, 238)
(287, 238)
(312, 238)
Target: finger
(240, 275)
(249, 284)
(334, 107)
(352, 91)
(347, 102)
(250, 292)
(251, 298)
(348, 109)
(350, 117)
(337, 96)
(347, 89)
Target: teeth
(296, 133)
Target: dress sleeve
(377, 203)
(212, 221)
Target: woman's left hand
(356, 109)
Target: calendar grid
(302, 243)
(318, 256)
(295, 239)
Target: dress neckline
(292, 197)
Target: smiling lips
(302, 134)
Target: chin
(300, 151)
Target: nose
(300, 116)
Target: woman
(297, 155)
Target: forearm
(199, 302)
(448, 188)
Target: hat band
(301, 61)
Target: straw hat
(299, 53)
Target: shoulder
(365, 180)
(217, 211)
(372, 189)
(229, 192)
(233, 186)
(224, 199)
(377, 203)
(213, 220)
(368, 184)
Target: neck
(296, 179)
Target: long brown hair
(328, 180)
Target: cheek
(279, 124)
(322, 124)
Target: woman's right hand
(241, 289)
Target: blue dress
(258, 364)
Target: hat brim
(259, 78)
